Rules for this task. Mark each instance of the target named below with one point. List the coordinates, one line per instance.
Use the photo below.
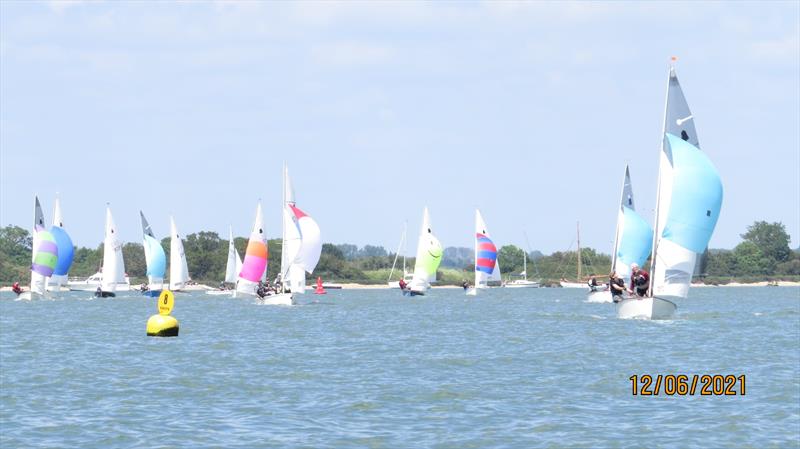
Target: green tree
(205, 255)
(16, 243)
(772, 239)
(750, 260)
(510, 259)
(86, 261)
(135, 264)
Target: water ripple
(506, 369)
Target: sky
(526, 110)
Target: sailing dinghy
(178, 268)
(155, 258)
(301, 248)
(407, 276)
(688, 204)
(487, 268)
(44, 256)
(66, 251)
(254, 265)
(429, 256)
(633, 240)
(232, 268)
(113, 270)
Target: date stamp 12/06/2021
(687, 385)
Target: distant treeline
(764, 254)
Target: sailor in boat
(640, 281)
(262, 290)
(98, 292)
(16, 288)
(593, 285)
(465, 285)
(144, 288)
(402, 283)
(617, 286)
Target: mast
(397, 254)
(579, 250)
(656, 227)
(525, 264)
(283, 228)
(475, 250)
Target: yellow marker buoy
(163, 325)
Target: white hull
(472, 292)
(573, 284)
(280, 299)
(220, 292)
(57, 287)
(92, 287)
(599, 296)
(646, 308)
(27, 296)
(521, 284)
(94, 281)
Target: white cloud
(60, 6)
(350, 53)
(785, 50)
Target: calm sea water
(510, 368)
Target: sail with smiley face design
(429, 256)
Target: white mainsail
(429, 255)
(38, 280)
(302, 242)
(113, 263)
(234, 264)
(178, 268)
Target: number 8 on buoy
(166, 301)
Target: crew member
(640, 281)
(617, 286)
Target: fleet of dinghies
(688, 203)
(301, 247)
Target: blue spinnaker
(696, 196)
